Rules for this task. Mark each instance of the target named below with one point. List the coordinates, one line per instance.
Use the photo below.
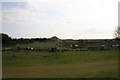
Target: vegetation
(73, 64)
(117, 33)
(56, 58)
(62, 45)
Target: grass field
(69, 64)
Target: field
(68, 64)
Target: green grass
(71, 64)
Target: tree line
(8, 41)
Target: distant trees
(54, 38)
(54, 43)
(6, 40)
(117, 36)
(117, 33)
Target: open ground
(67, 64)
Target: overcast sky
(76, 19)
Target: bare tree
(117, 33)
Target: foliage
(6, 40)
(117, 33)
(54, 42)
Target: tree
(54, 38)
(117, 33)
(6, 40)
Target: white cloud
(35, 12)
(67, 18)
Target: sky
(66, 19)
